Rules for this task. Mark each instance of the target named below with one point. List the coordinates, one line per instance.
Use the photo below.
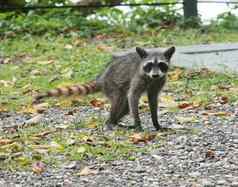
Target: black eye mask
(147, 68)
(163, 67)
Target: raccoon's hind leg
(119, 108)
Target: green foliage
(227, 20)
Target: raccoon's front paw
(108, 127)
(162, 129)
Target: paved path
(216, 57)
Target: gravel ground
(208, 157)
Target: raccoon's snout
(155, 75)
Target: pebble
(178, 161)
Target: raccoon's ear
(141, 52)
(169, 52)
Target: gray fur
(124, 81)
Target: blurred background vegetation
(91, 22)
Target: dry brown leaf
(210, 154)
(43, 134)
(101, 36)
(223, 100)
(104, 48)
(184, 105)
(187, 106)
(97, 103)
(87, 171)
(38, 167)
(141, 137)
(5, 141)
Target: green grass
(43, 62)
(38, 63)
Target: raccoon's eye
(163, 67)
(147, 67)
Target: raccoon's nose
(155, 75)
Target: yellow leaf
(87, 171)
(92, 123)
(38, 167)
(190, 119)
(167, 101)
(176, 74)
(39, 108)
(12, 148)
(104, 48)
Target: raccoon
(123, 82)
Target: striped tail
(83, 89)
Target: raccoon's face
(155, 65)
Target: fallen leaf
(62, 126)
(43, 134)
(223, 100)
(5, 141)
(81, 149)
(141, 137)
(22, 160)
(36, 119)
(224, 87)
(187, 106)
(87, 171)
(167, 101)
(12, 147)
(29, 109)
(68, 46)
(7, 61)
(176, 74)
(5, 83)
(71, 165)
(184, 105)
(36, 72)
(220, 114)
(38, 167)
(190, 119)
(101, 36)
(56, 147)
(41, 107)
(92, 123)
(104, 48)
(97, 103)
(210, 154)
(46, 62)
(70, 142)
(67, 73)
